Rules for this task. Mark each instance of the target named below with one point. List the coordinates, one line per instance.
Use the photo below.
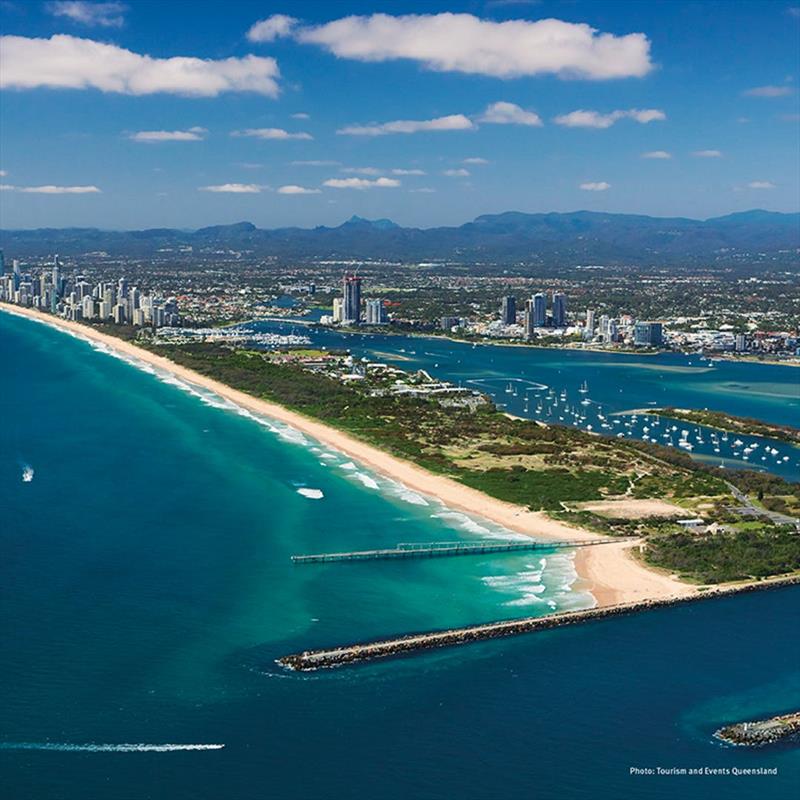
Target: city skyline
(309, 118)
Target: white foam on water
(366, 480)
(27, 473)
(311, 494)
(348, 465)
(328, 456)
(65, 747)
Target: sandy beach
(609, 571)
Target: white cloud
(3, 173)
(761, 185)
(315, 163)
(452, 122)
(476, 160)
(294, 189)
(409, 172)
(301, 115)
(595, 119)
(768, 91)
(509, 114)
(465, 43)
(423, 190)
(233, 188)
(456, 173)
(657, 154)
(271, 28)
(272, 133)
(707, 154)
(362, 170)
(69, 62)
(361, 183)
(7, 187)
(106, 15)
(595, 186)
(50, 189)
(190, 135)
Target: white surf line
(65, 747)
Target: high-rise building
(351, 306)
(648, 334)
(122, 288)
(448, 323)
(559, 310)
(529, 319)
(87, 304)
(588, 330)
(539, 308)
(508, 311)
(338, 304)
(376, 313)
(2, 264)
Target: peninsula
(542, 481)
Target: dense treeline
(746, 426)
(729, 556)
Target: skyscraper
(529, 319)
(508, 311)
(2, 264)
(648, 334)
(351, 308)
(539, 310)
(376, 313)
(559, 310)
(588, 330)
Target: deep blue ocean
(146, 589)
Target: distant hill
(581, 237)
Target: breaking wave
(65, 747)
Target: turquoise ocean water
(146, 589)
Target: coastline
(609, 572)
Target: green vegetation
(548, 468)
(744, 426)
(729, 556)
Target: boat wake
(27, 473)
(65, 747)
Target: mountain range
(581, 237)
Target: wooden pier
(441, 549)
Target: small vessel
(27, 474)
(584, 388)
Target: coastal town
(546, 317)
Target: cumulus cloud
(274, 27)
(105, 15)
(278, 134)
(7, 187)
(465, 43)
(456, 173)
(657, 154)
(509, 114)
(3, 173)
(476, 160)
(707, 154)
(190, 135)
(361, 183)
(595, 119)
(452, 122)
(408, 172)
(233, 188)
(595, 186)
(301, 115)
(768, 91)
(315, 163)
(294, 189)
(362, 170)
(50, 189)
(761, 185)
(70, 62)
(423, 190)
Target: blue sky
(428, 113)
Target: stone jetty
(761, 732)
(404, 645)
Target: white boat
(27, 474)
(584, 388)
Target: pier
(761, 732)
(310, 660)
(441, 549)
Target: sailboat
(584, 388)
